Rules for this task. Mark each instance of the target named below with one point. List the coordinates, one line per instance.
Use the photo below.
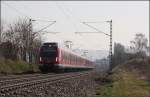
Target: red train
(53, 57)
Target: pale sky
(129, 18)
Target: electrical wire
(41, 20)
(47, 26)
(95, 29)
(11, 7)
(52, 22)
(68, 16)
(62, 10)
(70, 13)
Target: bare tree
(139, 45)
(1, 35)
(35, 49)
(119, 54)
(23, 39)
(1, 30)
(28, 38)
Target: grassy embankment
(16, 67)
(128, 80)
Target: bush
(13, 67)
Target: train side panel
(68, 60)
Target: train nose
(48, 60)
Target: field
(130, 79)
(16, 67)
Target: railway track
(8, 77)
(12, 88)
(14, 80)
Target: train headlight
(40, 59)
(56, 59)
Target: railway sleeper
(36, 84)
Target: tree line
(138, 49)
(19, 42)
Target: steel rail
(14, 87)
(8, 77)
(29, 78)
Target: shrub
(10, 66)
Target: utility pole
(0, 35)
(110, 46)
(29, 41)
(29, 38)
(1, 31)
(68, 44)
(98, 31)
(85, 53)
(149, 43)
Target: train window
(63, 57)
(66, 57)
(46, 51)
(73, 58)
(76, 59)
(80, 60)
(69, 58)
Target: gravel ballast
(83, 86)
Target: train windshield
(49, 51)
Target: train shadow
(51, 69)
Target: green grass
(105, 90)
(13, 67)
(124, 84)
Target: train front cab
(48, 57)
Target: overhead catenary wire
(110, 35)
(62, 10)
(95, 28)
(13, 8)
(70, 13)
(86, 23)
(66, 14)
(46, 26)
(19, 12)
(95, 22)
(41, 20)
(30, 19)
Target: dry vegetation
(19, 46)
(16, 67)
(130, 79)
